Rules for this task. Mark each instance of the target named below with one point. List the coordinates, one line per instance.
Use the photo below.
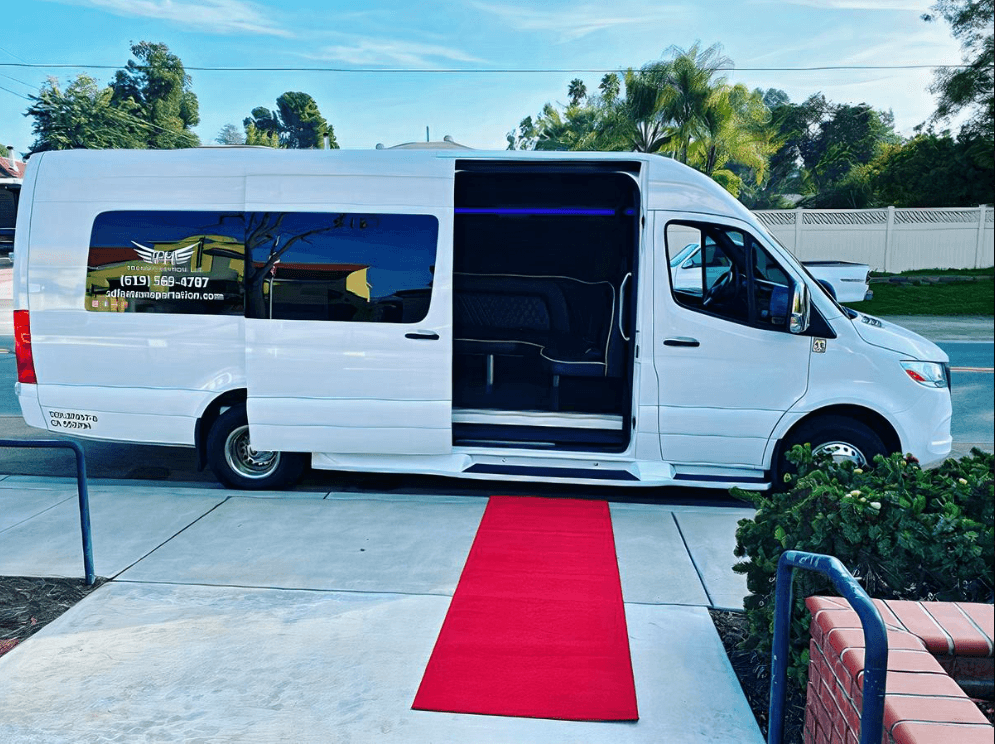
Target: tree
(932, 170)
(84, 116)
(303, 126)
(158, 85)
(254, 136)
(677, 106)
(577, 91)
(230, 134)
(264, 121)
(688, 82)
(733, 129)
(609, 87)
(848, 138)
(296, 123)
(970, 88)
(637, 121)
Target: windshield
(815, 282)
(683, 254)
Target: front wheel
(843, 439)
(237, 464)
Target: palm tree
(636, 121)
(577, 91)
(688, 84)
(733, 128)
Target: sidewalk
(311, 617)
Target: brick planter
(931, 647)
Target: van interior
(544, 284)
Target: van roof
(669, 185)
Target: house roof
(8, 170)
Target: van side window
(725, 272)
(166, 262)
(340, 266)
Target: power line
(14, 93)
(475, 71)
(29, 85)
(7, 51)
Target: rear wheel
(843, 439)
(237, 464)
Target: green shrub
(904, 532)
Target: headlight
(930, 374)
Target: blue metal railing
(84, 496)
(875, 642)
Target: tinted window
(166, 262)
(346, 267)
(729, 275)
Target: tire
(234, 462)
(843, 438)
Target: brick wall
(927, 642)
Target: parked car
(845, 281)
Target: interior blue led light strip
(557, 211)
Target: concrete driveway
(311, 617)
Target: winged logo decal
(172, 258)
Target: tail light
(22, 348)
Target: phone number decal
(142, 280)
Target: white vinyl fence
(888, 239)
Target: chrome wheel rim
(841, 452)
(246, 461)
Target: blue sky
(476, 109)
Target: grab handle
(621, 305)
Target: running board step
(546, 472)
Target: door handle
(681, 341)
(423, 335)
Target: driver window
(728, 274)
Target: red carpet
(536, 628)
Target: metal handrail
(875, 642)
(84, 496)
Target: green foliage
(160, 88)
(303, 124)
(296, 123)
(822, 151)
(679, 106)
(84, 116)
(904, 532)
(577, 91)
(971, 88)
(932, 170)
(149, 104)
(846, 139)
(260, 137)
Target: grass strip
(953, 298)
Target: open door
(348, 329)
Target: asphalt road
(973, 421)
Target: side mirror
(801, 310)
(828, 287)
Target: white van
(504, 315)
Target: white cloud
(212, 16)
(576, 21)
(384, 52)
